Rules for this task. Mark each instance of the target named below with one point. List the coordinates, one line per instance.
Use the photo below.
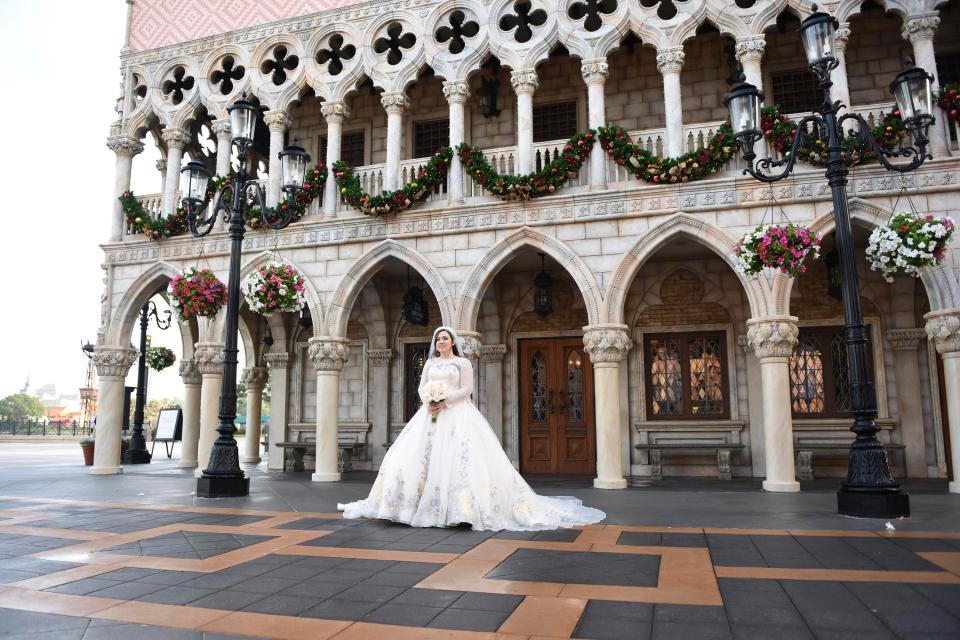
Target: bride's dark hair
(456, 349)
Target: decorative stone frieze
(334, 111)
(190, 373)
(124, 145)
(594, 70)
(209, 358)
(277, 120)
(922, 27)
(379, 357)
(943, 327)
(456, 91)
(492, 352)
(773, 337)
(114, 362)
(277, 360)
(395, 102)
(328, 354)
(670, 60)
(524, 81)
(607, 343)
(176, 138)
(905, 339)
(750, 48)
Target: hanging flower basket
(907, 243)
(196, 292)
(159, 358)
(785, 247)
(274, 287)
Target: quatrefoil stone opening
(522, 19)
(175, 88)
(335, 54)
(666, 8)
(459, 29)
(279, 65)
(395, 42)
(228, 73)
(139, 89)
(592, 10)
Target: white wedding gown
(443, 473)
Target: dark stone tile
(427, 597)
(770, 632)
(36, 565)
(469, 619)
(687, 630)
(370, 593)
(611, 628)
(689, 613)
(905, 610)
(784, 551)
(316, 589)
(227, 600)
(336, 609)
(13, 621)
(890, 555)
(282, 605)
(176, 595)
(734, 551)
(829, 606)
(486, 601)
(213, 581)
(264, 585)
(579, 567)
(946, 596)
(125, 631)
(128, 573)
(310, 524)
(12, 575)
(835, 553)
(394, 579)
(85, 586)
(615, 609)
(423, 568)
(403, 614)
(450, 548)
(127, 591)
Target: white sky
(60, 64)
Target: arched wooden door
(557, 433)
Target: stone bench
(721, 450)
(346, 443)
(805, 455)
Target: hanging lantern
(487, 93)
(543, 291)
(414, 308)
(834, 277)
(305, 320)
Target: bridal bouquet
(437, 392)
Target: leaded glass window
(575, 387)
(819, 373)
(686, 376)
(806, 375)
(414, 358)
(538, 387)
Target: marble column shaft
(919, 30)
(670, 62)
(190, 434)
(209, 359)
(254, 379)
(608, 346)
(395, 104)
(279, 364)
(125, 148)
(378, 391)
(595, 74)
(909, 409)
(525, 83)
(328, 355)
(277, 122)
(491, 359)
(112, 365)
(943, 328)
(456, 93)
(176, 140)
(334, 113)
(749, 52)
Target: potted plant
(124, 445)
(86, 443)
(159, 358)
(275, 287)
(786, 247)
(196, 292)
(908, 243)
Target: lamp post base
(223, 486)
(136, 457)
(875, 504)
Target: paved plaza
(137, 556)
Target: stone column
(176, 140)
(910, 412)
(491, 358)
(254, 378)
(221, 129)
(749, 52)
(209, 359)
(328, 355)
(525, 83)
(943, 327)
(277, 122)
(595, 73)
(919, 30)
(456, 93)
(670, 62)
(470, 343)
(772, 340)
(754, 408)
(161, 166)
(378, 390)
(125, 148)
(841, 89)
(334, 113)
(608, 346)
(279, 364)
(190, 436)
(395, 104)
(112, 364)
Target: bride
(447, 467)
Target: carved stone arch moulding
(227, 75)
(150, 282)
(313, 298)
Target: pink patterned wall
(157, 23)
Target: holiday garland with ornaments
(909, 242)
(159, 358)
(652, 168)
(272, 288)
(784, 247)
(949, 101)
(429, 180)
(196, 292)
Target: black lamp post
(869, 489)
(137, 452)
(223, 477)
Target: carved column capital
(524, 81)
(470, 344)
(840, 37)
(328, 354)
(395, 102)
(277, 360)
(379, 357)
(209, 358)
(943, 327)
(751, 48)
(334, 112)
(920, 27)
(175, 138)
(670, 60)
(277, 120)
(456, 92)
(221, 129)
(607, 343)
(161, 165)
(595, 71)
(254, 378)
(905, 339)
(493, 352)
(190, 373)
(114, 362)
(772, 337)
(124, 145)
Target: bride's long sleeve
(422, 389)
(466, 382)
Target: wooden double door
(557, 434)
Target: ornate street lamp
(413, 307)
(543, 291)
(869, 489)
(223, 476)
(137, 452)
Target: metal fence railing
(44, 428)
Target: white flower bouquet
(274, 287)
(436, 394)
(908, 243)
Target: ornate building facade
(653, 337)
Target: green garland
(176, 224)
(532, 185)
(949, 101)
(644, 165)
(779, 130)
(429, 180)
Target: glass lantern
(243, 120)
(293, 167)
(816, 33)
(194, 178)
(914, 97)
(744, 106)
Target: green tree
(20, 405)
